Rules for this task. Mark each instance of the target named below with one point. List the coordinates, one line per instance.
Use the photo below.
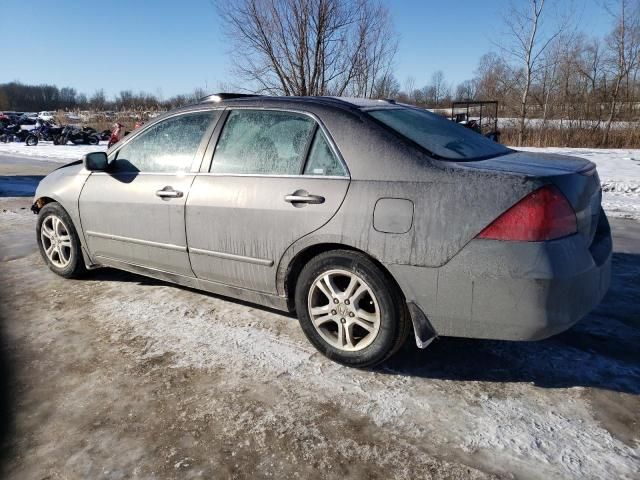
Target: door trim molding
(118, 238)
(231, 256)
(178, 248)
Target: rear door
(275, 177)
(134, 212)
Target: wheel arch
(294, 266)
(41, 201)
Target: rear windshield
(441, 137)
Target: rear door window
(322, 160)
(263, 142)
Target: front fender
(64, 186)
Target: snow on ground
(51, 152)
(514, 425)
(619, 171)
(561, 123)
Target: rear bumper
(512, 290)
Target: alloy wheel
(344, 310)
(56, 241)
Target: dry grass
(627, 137)
(100, 121)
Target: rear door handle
(303, 197)
(168, 192)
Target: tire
(379, 306)
(31, 140)
(53, 218)
(94, 140)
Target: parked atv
(77, 136)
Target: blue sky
(168, 47)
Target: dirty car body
(480, 241)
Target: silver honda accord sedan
(369, 219)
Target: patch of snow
(562, 123)
(50, 152)
(512, 428)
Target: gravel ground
(118, 376)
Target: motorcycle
(77, 136)
(13, 133)
(105, 135)
(44, 131)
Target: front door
(274, 178)
(134, 212)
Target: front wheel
(350, 310)
(31, 140)
(58, 241)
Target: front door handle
(301, 196)
(168, 192)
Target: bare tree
(466, 90)
(98, 100)
(410, 88)
(494, 78)
(310, 47)
(439, 86)
(386, 87)
(589, 66)
(623, 49)
(436, 90)
(526, 43)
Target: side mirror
(95, 161)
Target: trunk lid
(576, 178)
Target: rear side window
(263, 142)
(169, 146)
(322, 160)
(441, 137)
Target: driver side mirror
(95, 161)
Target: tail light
(544, 214)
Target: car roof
(348, 103)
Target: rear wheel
(31, 140)
(350, 310)
(58, 241)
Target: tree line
(16, 96)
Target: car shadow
(8, 393)
(114, 275)
(601, 351)
(19, 185)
